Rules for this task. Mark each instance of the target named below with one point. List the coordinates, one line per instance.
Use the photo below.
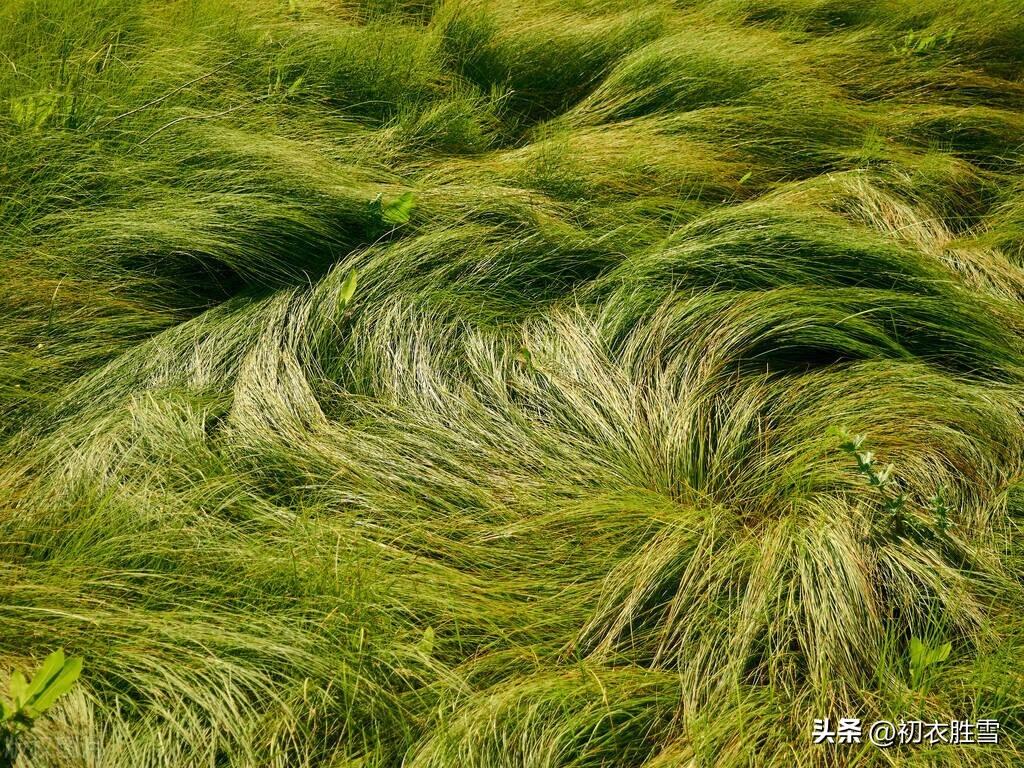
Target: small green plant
(924, 655)
(32, 111)
(27, 700)
(278, 87)
(426, 643)
(390, 214)
(348, 289)
(398, 211)
(940, 509)
(894, 503)
(921, 42)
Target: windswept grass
(561, 485)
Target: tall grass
(560, 486)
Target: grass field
(569, 479)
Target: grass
(562, 484)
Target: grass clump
(457, 383)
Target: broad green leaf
(936, 654)
(923, 656)
(53, 664)
(348, 288)
(6, 711)
(18, 687)
(397, 211)
(60, 685)
(426, 643)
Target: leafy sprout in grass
(348, 289)
(923, 656)
(28, 699)
(398, 210)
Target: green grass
(561, 485)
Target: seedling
(348, 289)
(879, 478)
(397, 211)
(894, 503)
(31, 112)
(922, 656)
(921, 42)
(27, 700)
(389, 215)
(941, 510)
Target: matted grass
(561, 485)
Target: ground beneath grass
(570, 478)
